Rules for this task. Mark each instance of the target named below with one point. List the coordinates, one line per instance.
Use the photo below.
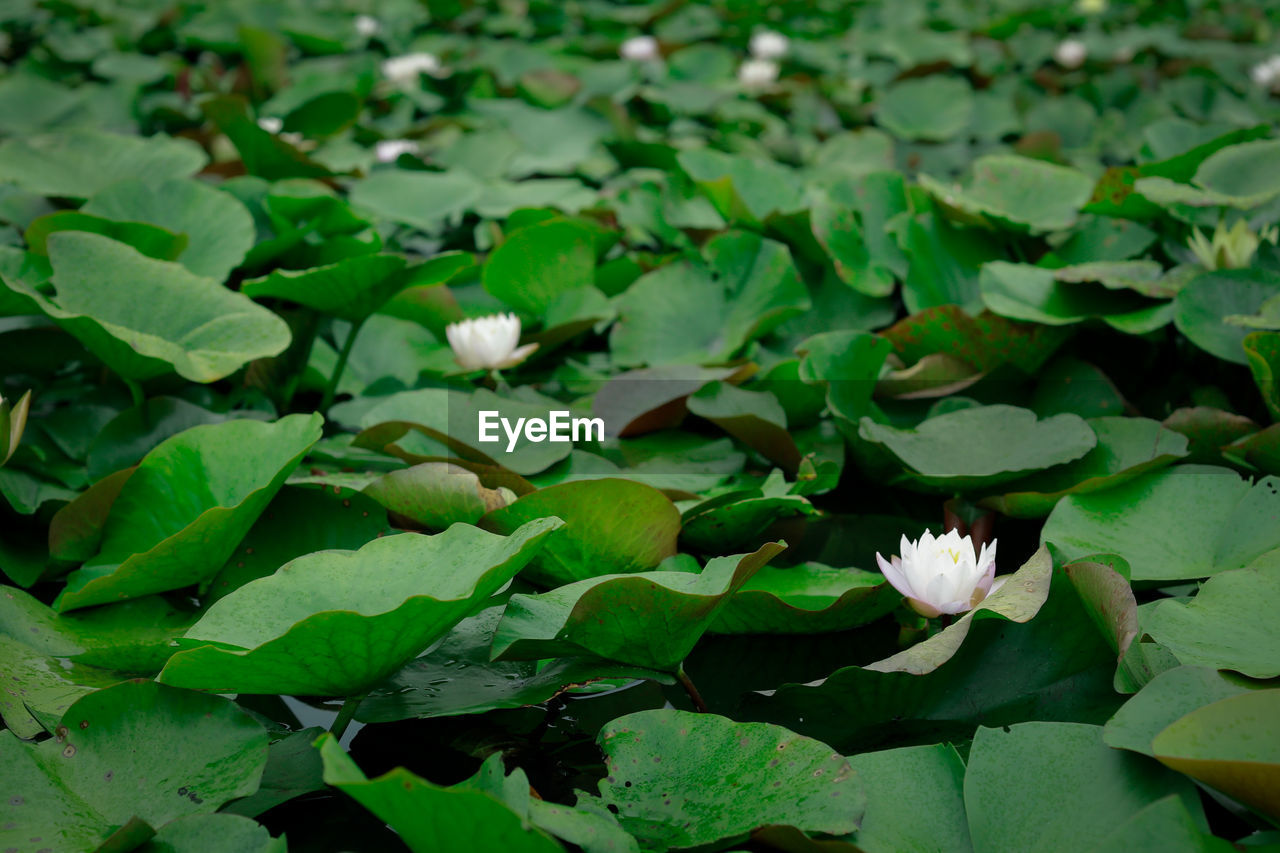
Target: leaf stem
(140, 401)
(345, 715)
(331, 390)
(687, 683)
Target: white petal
(894, 576)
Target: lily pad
(1227, 625)
(1126, 448)
(1020, 191)
(1205, 306)
(670, 786)
(457, 677)
(915, 800)
(806, 599)
(540, 263)
(335, 623)
(929, 108)
(429, 817)
(79, 163)
(154, 541)
(138, 751)
(1027, 785)
(171, 319)
(654, 618)
(351, 289)
(435, 495)
(612, 526)
(982, 445)
(1190, 521)
(1233, 745)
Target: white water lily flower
(271, 124)
(389, 150)
(1070, 53)
(756, 73)
(1266, 73)
(767, 44)
(367, 26)
(943, 574)
(488, 342)
(1092, 7)
(405, 69)
(1229, 248)
(639, 49)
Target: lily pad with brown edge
(435, 495)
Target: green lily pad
(691, 313)
(612, 527)
(1020, 191)
(35, 688)
(1030, 293)
(457, 677)
(1205, 306)
(654, 618)
(540, 263)
(1263, 351)
(293, 769)
(218, 228)
(982, 445)
(425, 200)
(1167, 698)
(436, 494)
(806, 599)
(300, 519)
(137, 751)
(335, 623)
(79, 163)
(1245, 173)
(154, 541)
(915, 800)
(1190, 521)
(213, 833)
(651, 398)
(351, 289)
(150, 240)
(1027, 785)
(755, 418)
(429, 817)
(170, 320)
(670, 785)
(1232, 745)
(742, 189)
(929, 108)
(1126, 448)
(1228, 624)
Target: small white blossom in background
(767, 44)
(389, 150)
(1266, 74)
(1071, 53)
(639, 49)
(367, 26)
(943, 574)
(1092, 7)
(1123, 54)
(271, 124)
(488, 342)
(405, 69)
(757, 73)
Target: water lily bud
(403, 70)
(271, 124)
(639, 49)
(1266, 74)
(389, 150)
(13, 420)
(941, 575)
(1071, 53)
(757, 73)
(488, 343)
(367, 26)
(767, 44)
